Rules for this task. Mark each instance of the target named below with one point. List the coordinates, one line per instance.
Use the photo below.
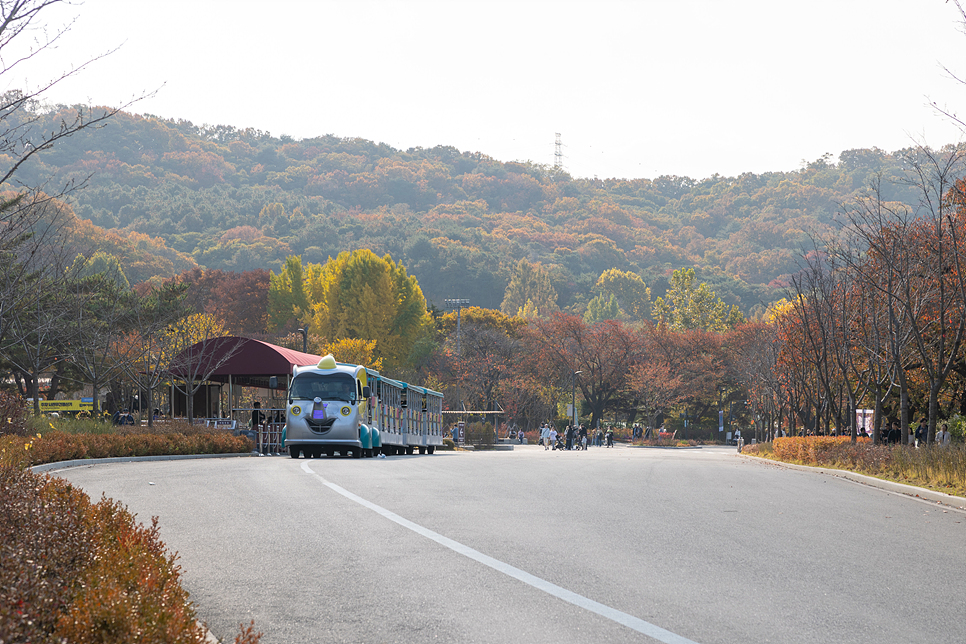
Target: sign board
(864, 418)
(462, 428)
(222, 423)
(47, 406)
(720, 420)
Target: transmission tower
(557, 153)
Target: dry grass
(938, 468)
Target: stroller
(561, 443)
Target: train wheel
(422, 450)
(431, 449)
(329, 452)
(409, 451)
(376, 451)
(293, 452)
(356, 452)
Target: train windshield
(334, 386)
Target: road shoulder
(863, 479)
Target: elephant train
(351, 409)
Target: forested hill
(241, 199)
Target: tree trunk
(877, 417)
(35, 391)
(933, 411)
(150, 401)
(903, 407)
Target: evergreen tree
(529, 293)
(602, 307)
(631, 293)
(101, 263)
(287, 299)
(688, 307)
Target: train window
(336, 386)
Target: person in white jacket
(942, 436)
(545, 436)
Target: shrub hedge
(76, 571)
(72, 570)
(13, 414)
(55, 445)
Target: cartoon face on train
(323, 401)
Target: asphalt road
(608, 545)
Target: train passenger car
(349, 409)
(407, 417)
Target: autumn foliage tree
(604, 353)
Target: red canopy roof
(241, 358)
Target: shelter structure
(232, 362)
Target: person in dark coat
(894, 435)
(922, 433)
(257, 416)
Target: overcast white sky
(636, 88)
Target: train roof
(353, 369)
(406, 385)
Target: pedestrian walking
(545, 436)
(553, 438)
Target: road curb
(82, 462)
(871, 481)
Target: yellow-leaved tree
(776, 310)
(354, 351)
(362, 296)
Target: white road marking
(639, 625)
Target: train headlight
(296, 410)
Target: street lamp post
(721, 422)
(573, 397)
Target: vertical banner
(721, 420)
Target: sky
(636, 89)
